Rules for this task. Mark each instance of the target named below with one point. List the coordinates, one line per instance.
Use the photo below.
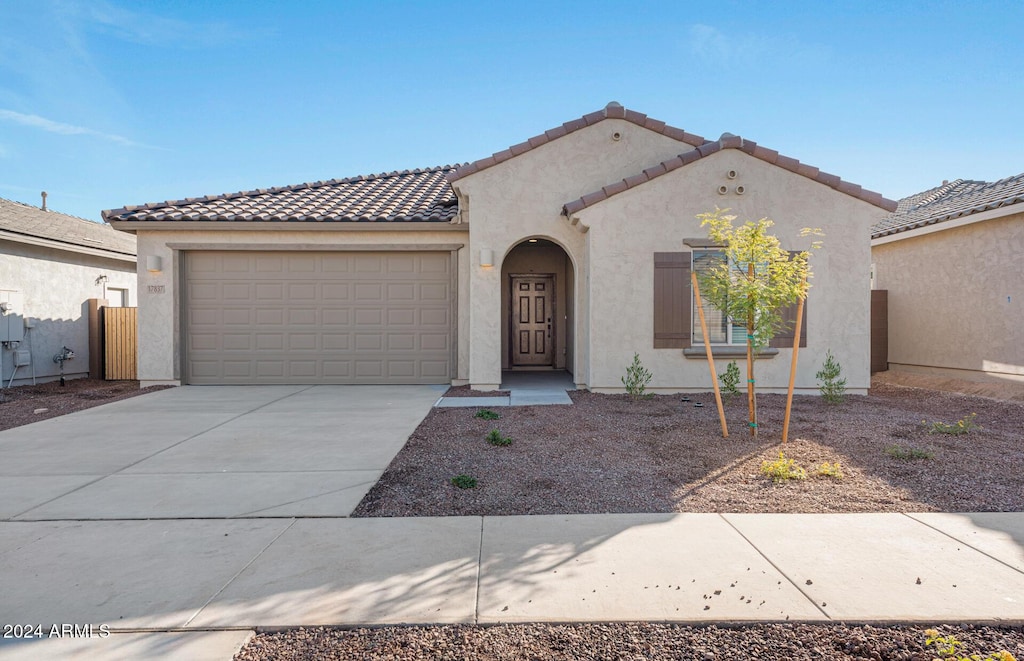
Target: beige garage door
(318, 317)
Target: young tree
(753, 283)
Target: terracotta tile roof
(612, 111)
(729, 141)
(28, 221)
(406, 196)
(951, 200)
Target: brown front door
(532, 320)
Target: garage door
(318, 317)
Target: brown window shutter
(785, 337)
(671, 300)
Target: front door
(532, 320)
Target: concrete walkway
(524, 389)
(243, 574)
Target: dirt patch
(464, 391)
(22, 405)
(607, 453)
(1009, 391)
(765, 642)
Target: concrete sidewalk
(243, 574)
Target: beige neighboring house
(51, 264)
(569, 251)
(952, 260)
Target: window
(720, 331)
(676, 323)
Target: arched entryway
(538, 307)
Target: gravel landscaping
(22, 405)
(764, 642)
(607, 453)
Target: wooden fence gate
(120, 344)
(879, 330)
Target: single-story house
(51, 264)
(569, 251)
(951, 259)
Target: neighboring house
(571, 251)
(952, 260)
(51, 264)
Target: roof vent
(945, 181)
(44, 200)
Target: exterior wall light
(486, 257)
(154, 263)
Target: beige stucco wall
(955, 299)
(523, 198)
(627, 229)
(53, 287)
(160, 295)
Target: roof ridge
(613, 110)
(730, 141)
(957, 199)
(41, 210)
(276, 189)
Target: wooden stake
(711, 360)
(792, 367)
(751, 401)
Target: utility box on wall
(12, 322)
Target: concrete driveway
(210, 452)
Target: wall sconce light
(154, 263)
(486, 257)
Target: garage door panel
(269, 317)
(236, 317)
(269, 291)
(279, 317)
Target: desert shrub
(783, 469)
(964, 425)
(636, 379)
(730, 379)
(834, 471)
(832, 387)
(486, 414)
(948, 647)
(494, 437)
(464, 481)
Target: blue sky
(108, 103)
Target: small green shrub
(636, 379)
(832, 387)
(908, 453)
(948, 647)
(964, 425)
(730, 379)
(834, 471)
(783, 469)
(494, 437)
(464, 481)
(486, 414)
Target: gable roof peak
(614, 110)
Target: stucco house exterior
(951, 259)
(569, 251)
(51, 264)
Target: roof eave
(748, 147)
